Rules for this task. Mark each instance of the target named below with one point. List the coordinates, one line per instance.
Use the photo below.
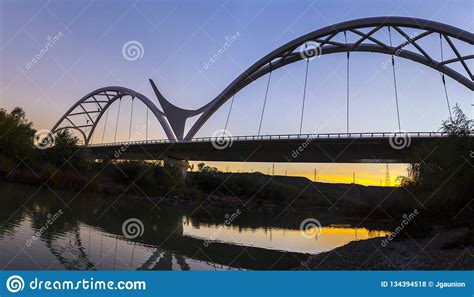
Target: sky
(178, 39)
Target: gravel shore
(444, 250)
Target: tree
(460, 125)
(16, 134)
(444, 176)
(65, 151)
(206, 169)
(201, 166)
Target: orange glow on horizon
(365, 174)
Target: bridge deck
(317, 148)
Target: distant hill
(301, 192)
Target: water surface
(50, 229)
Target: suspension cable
(304, 91)
(146, 126)
(118, 114)
(443, 79)
(105, 125)
(228, 114)
(99, 111)
(87, 122)
(394, 80)
(131, 120)
(347, 87)
(265, 100)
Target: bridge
(357, 35)
(296, 148)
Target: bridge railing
(367, 135)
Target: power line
(387, 177)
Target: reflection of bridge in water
(169, 248)
(363, 35)
(85, 240)
(168, 243)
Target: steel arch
(102, 99)
(173, 118)
(288, 53)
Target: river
(51, 229)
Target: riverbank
(445, 249)
(251, 191)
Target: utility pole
(286, 173)
(353, 177)
(315, 174)
(273, 169)
(387, 177)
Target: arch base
(181, 165)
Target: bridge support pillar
(181, 165)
